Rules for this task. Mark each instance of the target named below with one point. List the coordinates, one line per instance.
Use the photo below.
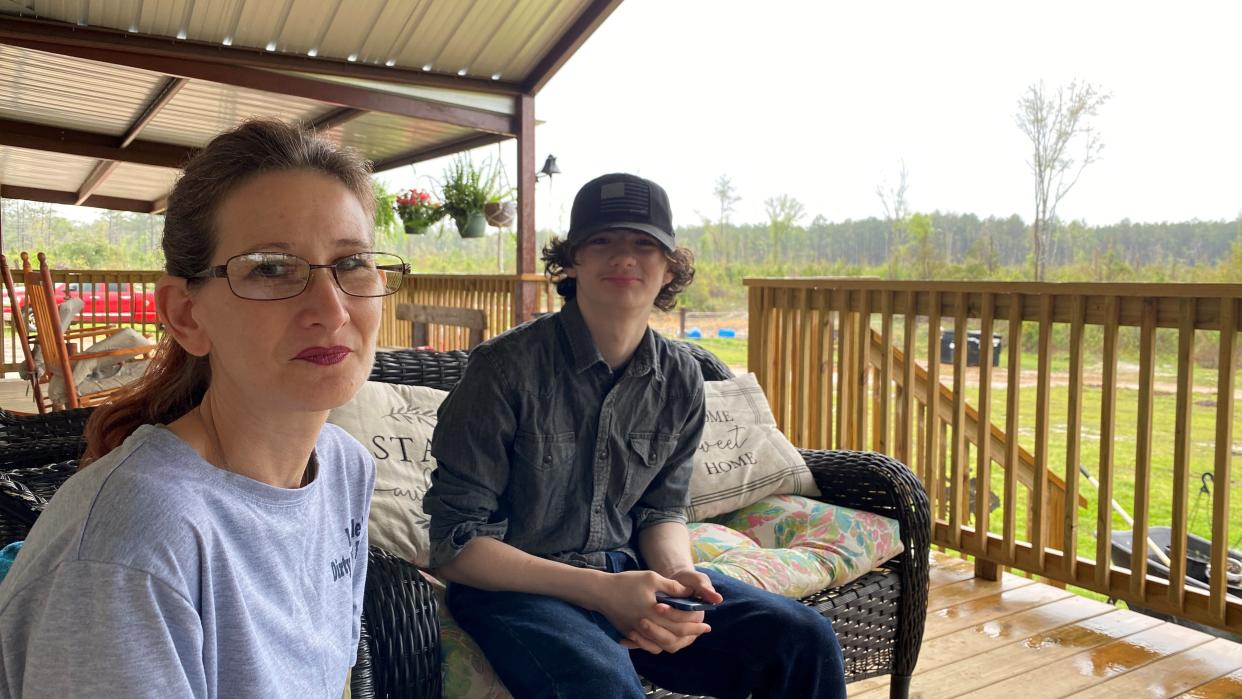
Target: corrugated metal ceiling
(98, 102)
(482, 37)
(31, 168)
(71, 93)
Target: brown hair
(560, 254)
(176, 380)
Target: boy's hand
(628, 602)
(699, 584)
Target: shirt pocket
(652, 449)
(545, 452)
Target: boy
(564, 461)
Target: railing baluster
(841, 304)
(983, 438)
(797, 404)
(959, 470)
(932, 433)
(1073, 437)
(815, 374)
(1108, 429)
(1142, 451)
(885, 387)
(1043, 389)
(906, 424)
(862, 351)
(1014, 373)
(1181, 450)
(1222, 474)
(827, 331)
(783, 400)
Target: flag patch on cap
(624, 198)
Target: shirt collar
(585, 354)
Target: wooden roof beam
(104, 168)
(22, 134)
(577, 34)
(476, 141)
(334, 118)
(101, 172)
(168, 90)
(93, 37)
(52, 196)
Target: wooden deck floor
(1016, 638)
(15, 395)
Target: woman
(216, 545)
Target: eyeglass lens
(275, 275)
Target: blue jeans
(761, 644)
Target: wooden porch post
(525, 292)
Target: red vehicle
(113, 302)
(19, 290)
(102, 302)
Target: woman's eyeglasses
(272, 276)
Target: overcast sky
(823, 100)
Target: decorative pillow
(795, 546)
(743, 456)
(395, 422)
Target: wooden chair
(54, 341)
(422, 316)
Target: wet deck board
(1019, 638)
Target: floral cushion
(464, 669)
(787, 544)
(794, 546)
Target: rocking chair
(73, 379)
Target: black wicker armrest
(16, 429)
(400, 613)
(24, 493)
(38, 452)
(878, 483)
(430, 368)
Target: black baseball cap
(622, 201)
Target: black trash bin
(948, 347)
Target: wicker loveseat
(878, 618)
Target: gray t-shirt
(153, 573)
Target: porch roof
(101, 103)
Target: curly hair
(559, 255)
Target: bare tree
(784, 212)
(893, 199)
(727, 195)
(1058, 124)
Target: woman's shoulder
(133, 507)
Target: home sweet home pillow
(743, 457)
(395, 423)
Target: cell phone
(685, 604)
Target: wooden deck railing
(832, 357)
(493, 294)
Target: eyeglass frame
(222, 272)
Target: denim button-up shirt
(543, 446)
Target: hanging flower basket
(418, 211)
(500, 213)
